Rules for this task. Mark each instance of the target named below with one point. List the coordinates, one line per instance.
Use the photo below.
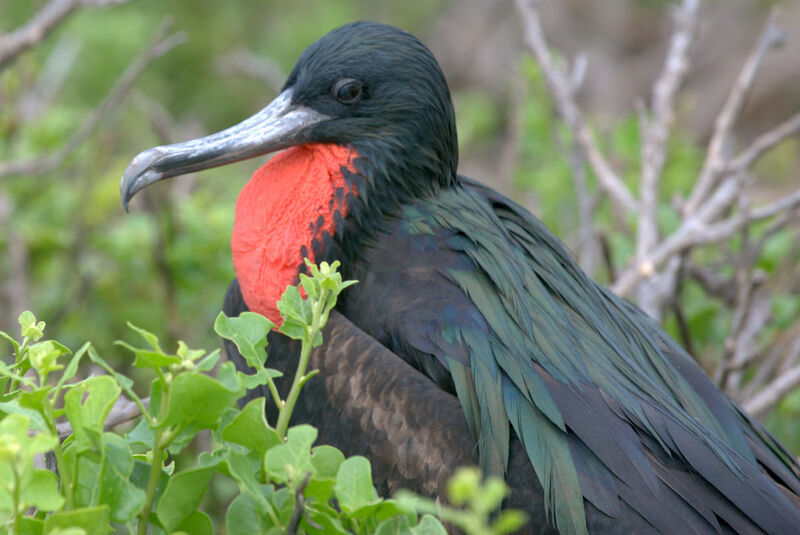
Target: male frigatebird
(472, 329)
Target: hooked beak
(278, 126)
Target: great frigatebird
(472, 328)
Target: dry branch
(159, 45)
(123, 411)
(767, 398)
(771, 37)
(655, 126)
(244, 63)
(560, 89)
(717, 208)
(41, 24)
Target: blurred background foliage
(71, 254)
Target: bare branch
(560, 88)
(299, 505)
(262, 68)
(41, 24)
(767, 398)
(589, 248)
(763, 144)
(656, 125)
(123, 410)
(32, 103)
(771, 37)
(14, 291)
(727, 228)
(160, 45)
(713, 283)
(695, 231)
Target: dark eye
(348, 90)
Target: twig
(122, 411)
(767, 398)
(781, 355)
(242, 62)
(695, 231)
(771, 37)
(560, 89)
(655, 127)
(713, 283)
(763, 144)
(15, 288)
(41, 24)
(299, 505)
(35, 101)
(160, 45)
(589, 249)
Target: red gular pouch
(287, 203)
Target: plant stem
(15, 499)
(152, 483)
(63, 473)
(299, 376)
(161, 440)
(274, 391)
(20, 354)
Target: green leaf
(44, 357)
(148, 358)
(29, 327)
(74, 530)
(246, 516)
(353, 486)
(122, 496)
(325, 516)
(182, 497)
(245, 472)
(395, 526)
(509, 521)
(250, 429)
(289, 462)
(141, 434)
(260, 377)
(72, 366)
(17, 447)
(141, 473)
(197, 399)
(311, 286)
(149, 337)
(380, 510)
(87, 406)
(189, 354)
(429, 525)
(326, 461)
(464, 485)
(293, 306)
(94, 520)
(34, 399)
(10, 339)
(249, 333)
(14, 406)
(208, 362)
(197, 523)
(293, 328)
(42, 491)
(31, 526)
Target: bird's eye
(348, 90)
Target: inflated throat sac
(288, 202)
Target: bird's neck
(287, 211)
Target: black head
(365, 84)
(386, 92)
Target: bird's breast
(282, 215)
